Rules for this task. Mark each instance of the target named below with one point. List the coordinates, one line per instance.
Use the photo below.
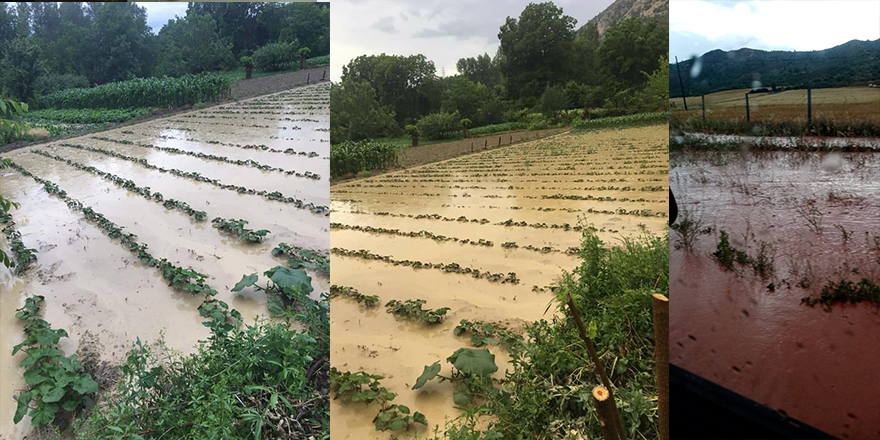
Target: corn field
(353, 157)
(621, 121)
(143, 92)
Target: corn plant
(143, 92)
(353, 157)
(11, 129)
(55, 382)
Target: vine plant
(367, 388)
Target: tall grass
(354, 157)
(621, 121)
(143, 92)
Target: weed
(813, 216)
(688, 229)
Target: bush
(143, 92)
(354, 157)
(54, 82)
(274, 57)
(498, 128)
(323, 60)
(413, 132)
(439, 125)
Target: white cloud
(791, 25)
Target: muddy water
(817, 366)
(98, 292)
(377, 342)
(786, 141)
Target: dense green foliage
(621, 121)
(54, 382)
(543, 66)
(143, 92)
(47, 46)
(439, 125)
(354, 157)
(849, 64)
(87, 115)
(275, 56)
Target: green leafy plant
(352, 157)
(396, 418)
(288, 289)
(238, 229)
(483, 333)
(367, 388)
(471, 372)
(55, 382)
(350, 292)
(143, 92)
(22, 256)
(412, 309)
(302, 258)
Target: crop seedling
(471, 372)
(367, 388)
(55, 382)
(412, 309)
(302, 258)
(483, 333)
(287, 288)
(237, 228)
(368, 301)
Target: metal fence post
(809, 109)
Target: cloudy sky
(158, 14)
(442, 30)
(699, 26)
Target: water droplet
(697, 67)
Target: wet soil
(500, 184)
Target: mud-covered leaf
(294, 278)
(246, 281)
(474, 361)
(429, 373)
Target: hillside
(853, 63)
(622, 9)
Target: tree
(7, 24)
(464, 96)
(237, 21)
(23, 19)
(357, 113)
(633, 46)
(193, 45)
(657, 89)
(308, 23)
(536, 49)
(552, 103)
(413, 133)
(481, 69)
(46, 20)
(248, 64)
(73, 13)
(465, 124)
(22, 64)
(304, 53)
(119, 43)
(406, 84)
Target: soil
(499, 184)
(97, 291)
(242, 89)
(751, 333)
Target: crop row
(186, 280)
(650, 188)
(249, 163)
(240, 117)
(227, 124)
(658, 170)
(131, 186)
(258, 147)
(509, 196)
(449, 268)
(298, 257)
(238, 228)
(353, 157)
(143, 92)
(86, 116)
(368, 301)
(22, 256)
(420, 234)
(275, 195)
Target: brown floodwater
(818, 215)
(377, 342)
(100, 293)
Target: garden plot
(776, 272)
(165, 181)
(485, 235)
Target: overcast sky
(159, 13)
(699, 26)
(442, 30)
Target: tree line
(54, 46)
(543, 65)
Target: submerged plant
(237, 228)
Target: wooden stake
(661, 357)
(598, 366)
(605, 410)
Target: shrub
(274, 57)
(248, 64)
(54, 82)
(439, 125)
(323, 60)
(413, 133)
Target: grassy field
(847, 111)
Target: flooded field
(758, 315)
(263, 160)
(497, 228)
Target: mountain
(852, 63)
(622, 9)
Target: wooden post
(472, 146)
(308, 76)
(510, 141)
(598, 366)
(661, 358)
(324, 75)
(605, 409)
(499, 141)
(681, 84)
(748, 117)
(703, 98)
(809, 110)
(485, 143)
